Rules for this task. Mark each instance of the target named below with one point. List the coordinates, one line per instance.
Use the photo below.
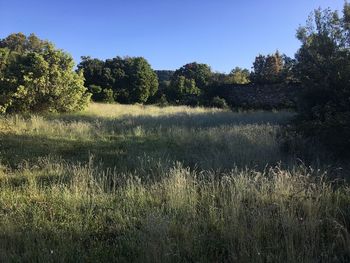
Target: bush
(96, 92)
(220, 103)
(163, 101)
(38, 78)
(108, 96)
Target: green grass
(176, 184)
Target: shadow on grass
(67, 246)
(182, 120)
(141, 154)
(18, 148)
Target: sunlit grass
(140, 183)
(79, 212)
(115, 111)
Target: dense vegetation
(34, 76)
(86, 182)
(126, 80)
(323, 69)
(192, 84)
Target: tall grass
(197, 137)
(147, 184)
(64, 212)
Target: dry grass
(176, 184)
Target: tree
(164, 75)
(183, 90)
(92, 69)
(131, 79)
(220, 103)
(142, 80)
(200, 73)
(189, 82)
(323, 68)
(239, 76)
(18, 42)
(37, 77)
(270, 69)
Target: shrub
(107, 96)
(163, 101)
(220, 103)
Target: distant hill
(164, 75)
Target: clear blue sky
(168, 33)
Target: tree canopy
(35, 76)
(188, 83)
(323, 68)
(200, 73)
(239, 76)
(130, 79)
(273, 68)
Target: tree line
(35, 76)
(132, 80)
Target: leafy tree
(323, 67)
(189, 82)
(142, 80)
(259, 66)
(270, 69)
(163, 101)
(18, 42)
(220, 78)
(161, 96)
(37, 77)
(164, 75)
(99, 94)
(107, 95)
(92, 69)
(183, 88)
(131, 79)
(239, 76)
(200, 73)
(220, 103)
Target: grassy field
(175, 184)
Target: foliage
(162, 102)
(20, 43)
(131, 79)
(164, 75)
(34, 76)
(220, 103)
(95, 91)
(188, 83)
(182, 88)
(239, 76)
(324, 71)
(273, 68)
(162, 93)
(94, 73)
(200, 73)
(107, 95)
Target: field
(175, 184)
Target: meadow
(138, 183)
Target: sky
(168, 33)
